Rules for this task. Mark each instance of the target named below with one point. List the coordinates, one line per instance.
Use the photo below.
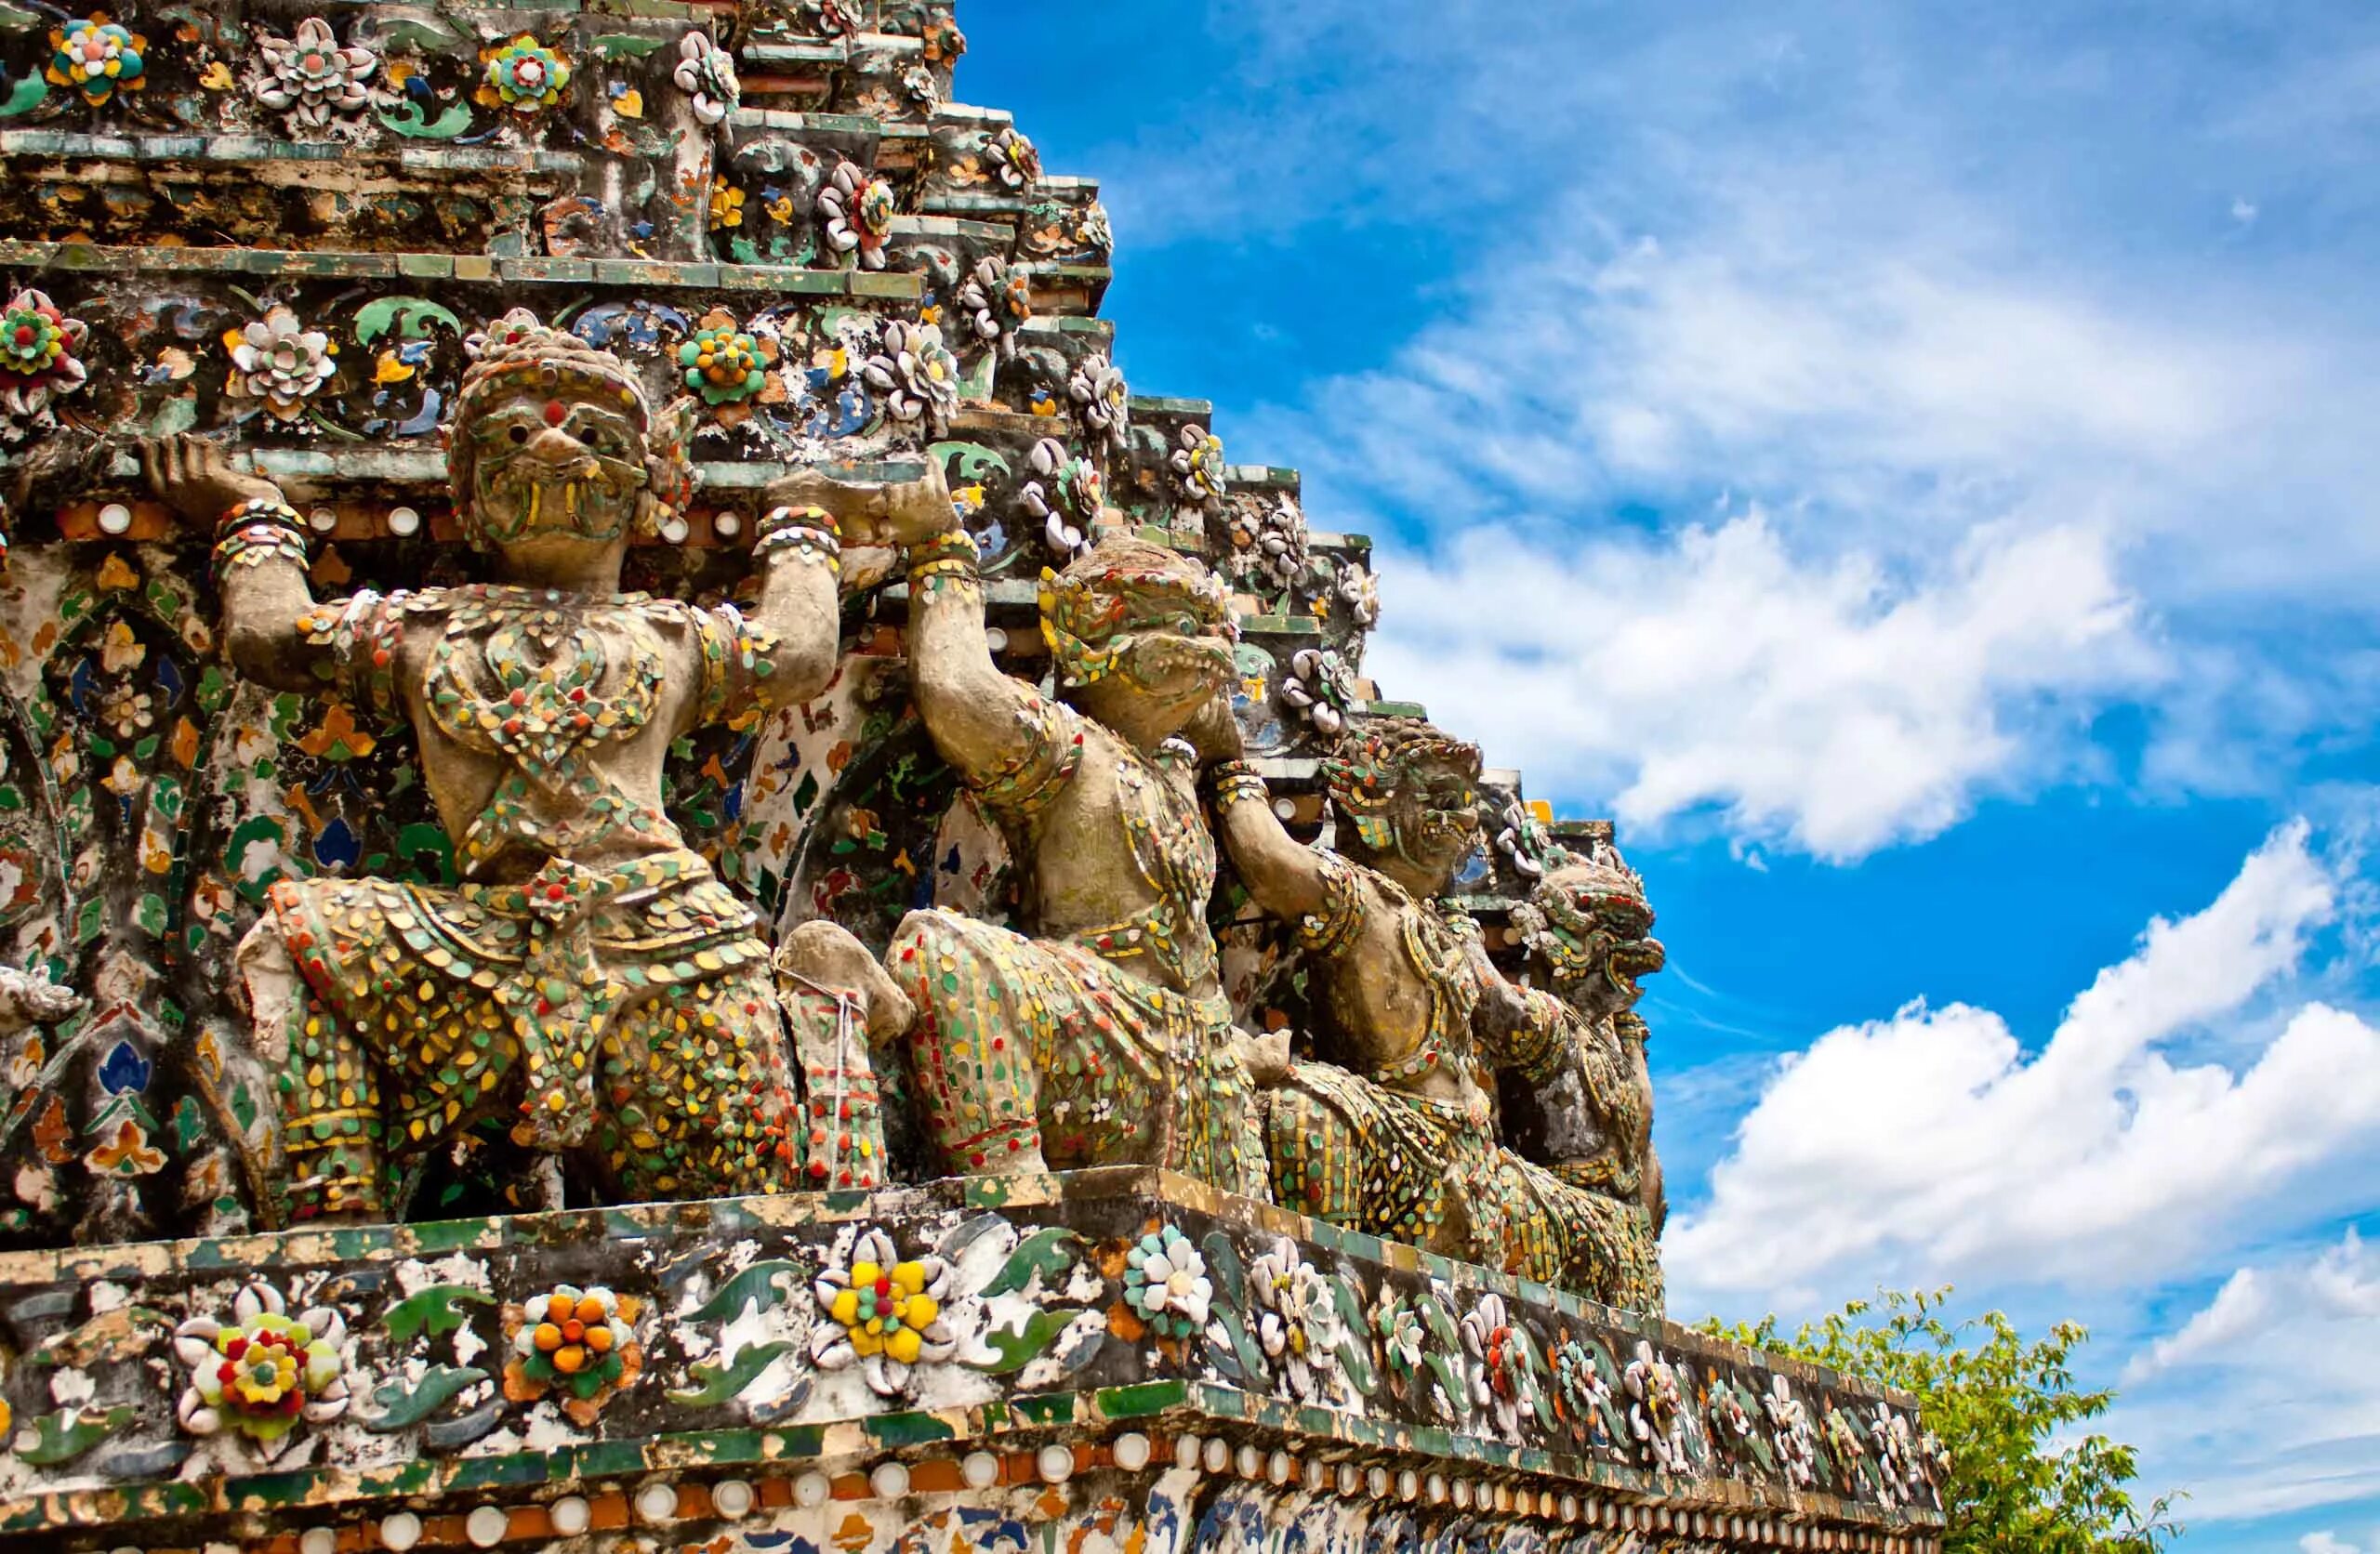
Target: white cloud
(2327, 1543)
(1792, 260)
(1930, 1145)
(1822, 702)
(2267, 1400)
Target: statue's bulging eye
(518, 433)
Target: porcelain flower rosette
(884, 1313)
(41, 358)
(1657, 1414)
(1582, 1395)
(1166, 1283)
(1789, 1421)
(264, 1370)
(1297, 1321)
(577, 1342)
(312, 79)
(1503, 1372)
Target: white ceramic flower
(311, 79)
(917, 373)
(263, 1372)
(1403, 1339)
(1896, 1456)
(1012, 159)
(1789, 1423)
(1501, 1380)
(1103, 399)
(1320, 686)
(883, 1313)
(1268, 542)
(281, 362)
(1657, 1413)
(857, 211)
(706, 73)
(1065, 495)
(1358, 590)
(1197, 466)
(1523, 840)
(1298, 1321)
(1166, 1283)
(997, 299)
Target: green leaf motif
(401, 1409)
(1048, 1252)
(431, 1310)
(1016, 1348)
(409, 316)
(1354, 1351)
(756, 1286)
(26, 95)
(407, 119)
(720, 1383)
(69, 1433)
(1451, 1382)
(974, 459)
(1244, 1347)
(1223, 1264)
(625, 46)
(423, 34)
(190, 1123)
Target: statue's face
(1598, 940)
(1181, 638)
(555, 464)
(1434, 815)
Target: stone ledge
(533, 269)
(734, 1364)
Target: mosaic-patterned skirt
(647, 1027)
(1023, 1043)
(1351, 1152)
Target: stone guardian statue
(1104, 1038)
(1404, 1142)
(588, 985)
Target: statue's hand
(873, 512)
(194, 477)
(1214, 733)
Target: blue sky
(1918, 457)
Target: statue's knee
(825, 958)
(270, 987)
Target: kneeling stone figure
(588, 982)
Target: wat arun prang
(674, 879)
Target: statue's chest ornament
(543, 685)
(540, 686)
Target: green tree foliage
(2022, 1482)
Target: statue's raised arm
(979, 718)
(260, 555)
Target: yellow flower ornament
(883, 1313)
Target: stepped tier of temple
(307, 254)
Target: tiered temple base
(1116, 1360)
